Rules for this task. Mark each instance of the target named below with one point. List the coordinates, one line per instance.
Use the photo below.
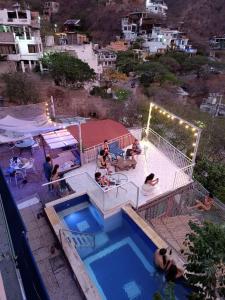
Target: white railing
(183, 176)
(107, 198)
(174, 155)
(91, 153)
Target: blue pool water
(121, 264)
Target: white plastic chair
(30, 166)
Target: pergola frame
(194, 129)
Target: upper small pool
(120, 264)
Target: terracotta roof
(95, 132)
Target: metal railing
(173, 154)
(91, 153)
(76, 235)
(183, 176)
(179, 202)
(105, 198)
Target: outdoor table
(119, 179)
(25, 145)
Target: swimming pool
(120, 264)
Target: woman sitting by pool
(150, 183)
(161, 258)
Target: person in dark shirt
(48, 167)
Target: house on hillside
(213, 105)
(119, 45)
(20, 40)
(106, 58)
(156, 7)
(50, 8)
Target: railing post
(175, 177)
(137, 200)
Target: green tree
(206, 260)
(212, 176)
(20, 88)
(127, 61)
(154, 72)
(66, 69)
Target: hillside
(199, 19)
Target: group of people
(105, 160)
(164, 262)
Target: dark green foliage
(206, 260)
(20, 88)
(212, 176)
(127, 61)
(154, 72)
(66, 69)
(122, 94)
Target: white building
(50, 8)
(20, 39)
(85, 52)
(129, 29)
(156, 7)
(106, 58)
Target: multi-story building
(156, 38)
(156, 7)
(20, 40)
(50, 8)
(106, 58)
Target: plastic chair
(30, 166)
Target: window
(11, 15)
(125, 28)
(32, 48)
(22, 15)
(7, 49)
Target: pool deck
(54, 268)
(150, 161)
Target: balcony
(7, 38)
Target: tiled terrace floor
(54, 269)
(173, 229)
(152, 161)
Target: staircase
(83, 240)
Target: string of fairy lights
(48, 115)
(188, 126)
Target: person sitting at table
(101, 180)
(149, 183)
(48, 167)
(103, 162)
(136, 148)
(206, 204)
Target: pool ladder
(80, 239)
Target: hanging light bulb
(181, 122)
(164, 113)
(193, 129)
(168, 116)
(186, 126)
(194, 144)
(172, 118)
(195, 134)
